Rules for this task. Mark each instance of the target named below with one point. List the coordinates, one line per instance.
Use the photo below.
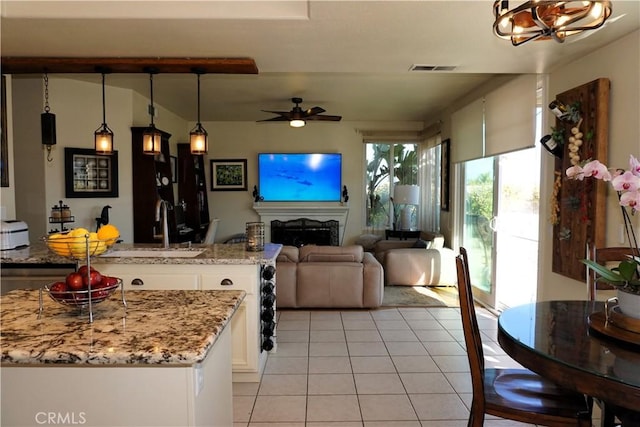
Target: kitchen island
(195, 267)
(165, 360)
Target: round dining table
(559, 341)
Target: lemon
(78, 242)
(109, 233)
(58, 244)
(96, 246)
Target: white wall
(8, 194)
(78, 109)
(233, 140)
(620, 63)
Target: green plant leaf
(627, 269)
(604, 272)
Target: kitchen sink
(153, 253)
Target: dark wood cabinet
(192, 190)
(152, 180)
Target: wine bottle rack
(267, 307)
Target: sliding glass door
(477, 235)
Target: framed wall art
(90, 175)
(444, 174)
(228, 175)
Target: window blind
(510, 116)
(467, 132)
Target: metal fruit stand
(67, 246)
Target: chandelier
(544, 20)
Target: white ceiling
(350, 57)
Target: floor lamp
(406, 195)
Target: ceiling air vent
(420, 67)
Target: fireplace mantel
(270, 211)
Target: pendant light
(103, 136)
(151, 137)
(198, 136)
(47, 121)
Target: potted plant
(625, 277)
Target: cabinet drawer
(231, 277)
(160, 281)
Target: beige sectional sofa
(421, 262)
(328, 277)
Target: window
(430, 171)
(387, 164)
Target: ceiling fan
(297, 117)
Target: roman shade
(467, 132)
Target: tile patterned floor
(390, 367)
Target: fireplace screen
(304, 231)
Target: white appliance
(13, 234)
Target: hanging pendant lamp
(47, 121)
(151, 137)
(103, 136)
(198, 136)
(546, 20)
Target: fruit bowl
(75, 246)
(80, 299)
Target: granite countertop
(38, 253)
(159, 328)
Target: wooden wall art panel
(580, 206)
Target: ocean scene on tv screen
(300, 177)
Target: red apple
(58, 289)
(108, 281)
(75, 281)
(93, 279)
(83, 270)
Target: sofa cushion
(311, 253)
(339, 285)
(288, 254)
(421, 244)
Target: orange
(109, 233)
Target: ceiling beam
(35, 65)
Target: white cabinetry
(121, 395)
(247, 355)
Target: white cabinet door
(151, 277)
(247, 358)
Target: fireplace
(305, 231)
(285, 212)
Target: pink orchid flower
(575, 172)
(626, 181)
(597, 170)
(631, 199)
(634, 166)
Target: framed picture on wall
(90, 175)
(229, 175)
(444, 174)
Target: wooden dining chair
(603, 256)
(514, 394)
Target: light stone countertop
(38, 253)
(159, 328)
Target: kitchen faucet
(163, 205)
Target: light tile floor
(389, 367)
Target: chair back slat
(472, 337)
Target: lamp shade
(406, 194)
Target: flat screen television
(300, 177)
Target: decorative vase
(629, 304)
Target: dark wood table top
(553, 338)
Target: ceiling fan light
(198, 140)
(537, 20)
(297, 123)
